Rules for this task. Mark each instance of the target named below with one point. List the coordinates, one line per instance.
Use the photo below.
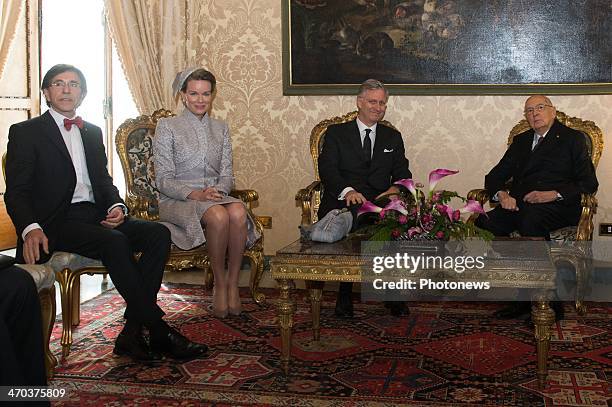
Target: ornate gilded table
(316, 263)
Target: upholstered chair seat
(44, 277)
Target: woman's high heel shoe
(220, 313)
(216, 310)
(235, 309)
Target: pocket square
(388, 150)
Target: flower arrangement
(416, 215)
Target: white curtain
(9, 15)
(150, 37)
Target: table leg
(286, 308)
(582, 267)
(315, 289)
(543, 318)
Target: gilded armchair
(309, 198)
(569, 249)
(134, 142)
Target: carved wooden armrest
(139, 207)
(480, 195)
(248, 196)
(304, 198)
(585, 225)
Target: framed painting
(446, 47)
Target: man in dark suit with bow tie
(61, 197)
(548, 168)
(359, 161)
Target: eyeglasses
(536, 109)
(62, 84)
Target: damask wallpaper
(240, 41)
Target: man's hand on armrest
(506, 201)
(391, 193)
(541, 197)
(31, 245)
(354, 198)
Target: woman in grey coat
(193, 168)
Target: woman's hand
(208, 194)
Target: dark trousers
(138, 281)
(531, 220)
(22, 359)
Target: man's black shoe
(134, 346)
(177, 346)
(514, 310)
(344, 306)
(397, 308)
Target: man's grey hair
(372, 84)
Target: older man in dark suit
(548, 168)
(60, 196)
(360, 161)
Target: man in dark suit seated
(61, 197)
(360, 161)
(548, 168)
(21, 337)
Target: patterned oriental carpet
(442, 354)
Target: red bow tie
(76, 121)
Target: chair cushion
(43, 274)
(61, 260)
(566, 234)
(140, 160)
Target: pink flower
(472, 206)
(456, 215)
(402, 219)
(414, 231)
(427, 218)
(445, 210)
(409, 184)
(437, 175)
(436, 196)
(395, 233)
(397, 205)
(368, 207)
(382, 214)
(439, 234)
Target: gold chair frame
(139, 203)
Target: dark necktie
(367, 145)
(77, 121)
(538, 142)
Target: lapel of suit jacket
(355, 140)
(545, 146)
(54, 134)
(88, 148)
(381, 135)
